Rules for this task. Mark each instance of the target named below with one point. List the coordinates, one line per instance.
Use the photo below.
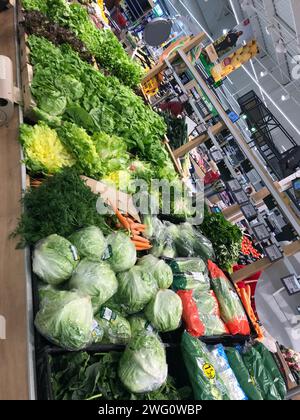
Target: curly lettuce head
(90, 243)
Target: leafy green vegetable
(43, 149)
(226, 239)
(164, 311)
(66, 205)
(54, 259)
(143, 366)
(122, 252)
(66, 319)
(116, 328)
(95, 279)
(138, 324)
(161, 272)
(82, 376)
(90, 243)
(136, 289)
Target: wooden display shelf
(186, 148)
(192, 43)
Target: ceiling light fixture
(280, 47)
(269, 29)
(225, 31)
(263, 73)
(285, 97)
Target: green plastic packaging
(245, 380)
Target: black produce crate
(176, 367)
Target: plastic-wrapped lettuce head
(136, 289)
(90, 243)
(159, 269)
(66, 319)
(95, 279)
(138, 324)
(164, 311)
(143, 366)
(123, 252)
(54, 259)
(116, 328)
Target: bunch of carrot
(135, 229)
(245, 295)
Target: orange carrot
(140, 239)
(122, 219)
(248, 290)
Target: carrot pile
(135, 229)
(245, 295)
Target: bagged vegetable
(257, 370)
(191, 243)
(153, 225)
(136, 289)
(270, 364)
(138, 323)
(66, 319)
(233, 388)
(95, 279)
(54, 259)
(161, 272)
(116, 329)
(191, 281)
(201, 313)
(90, 243)
(143, 366)
(245, 380)
(164, 311)
(187, 265)
(122, 252)
(232, 311)
(164, 244)
(205, 379)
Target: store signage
(217, 156)
(274, 253)
(261, 232)
(292, 284)
(249, 211)
(233, 39)
(241, 197)
(233, 116)
(234, 61)
(234, 185)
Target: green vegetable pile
(225, 237)
(83, 376)
(102, 44)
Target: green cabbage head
(66, 319)
(95, 279)
(90, 243)
(164, 311)
(54, 259)
(159, 269)
(143, 366)
(138, 323)
(123, 252)
(136, 289)
(116, 328)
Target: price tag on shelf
(292, 284)
(249, 211)
(241, 197)
(261, 232)
(274, 253)
(234, 185)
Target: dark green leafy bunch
(226, 239)
(177, 130)
(84, 377)
(61, 205)
(102, 44)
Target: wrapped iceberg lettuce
(122, 252)
(95, 279)
(66, 319)
(143, 367)
(136, 289)
(164, 311)
(161, 272)
(54, 259)
(138, 323)
(90, 243)
(116, 328)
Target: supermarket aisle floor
(13, 350)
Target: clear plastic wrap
(161, 272)
(116, 329)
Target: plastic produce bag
(143, 365)
(161, 272)
(205, 379)
(272, 367)
(138, 323)
(189, 274)
(90, 243)
(187, 265)
(66, 319)
(230, 381)
(116, 329)
(164, 241)
(201, 313)
(122, 252)
(260, 373)
(245, 380)
(232, 311)
(191, 243)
